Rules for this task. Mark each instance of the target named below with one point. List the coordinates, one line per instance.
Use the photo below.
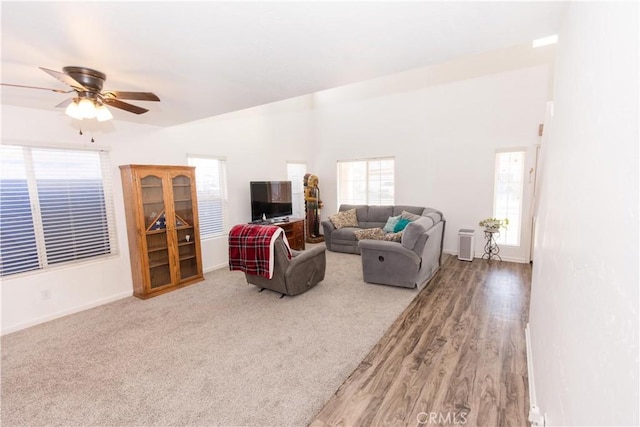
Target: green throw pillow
(391, 224)
(402, 223)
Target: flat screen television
(271, 199)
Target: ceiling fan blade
(112, 102)
(37, 87)
(65, 103)
(64, 78)
(139, 96)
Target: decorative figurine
(313, 204)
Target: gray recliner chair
(296, 275)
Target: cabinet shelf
(158, 264)
(159, 231)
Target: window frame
(297, 196)
(342, 199)
(204, 197)
(506, 236)
(45, 241)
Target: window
(56, 206)
(295, 174)
(508, 193)
(211, 188)
(366, 182)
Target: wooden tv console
(293, 229)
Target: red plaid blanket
(251, 248)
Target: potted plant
(494, 224)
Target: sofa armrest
(328, 226)
(327, 229)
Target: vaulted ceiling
(209, 58)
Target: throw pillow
(402, 223)
(393, 237)
(344, 219)
(391, 223)
(410, 216)
(369, 233)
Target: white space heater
(466, 244)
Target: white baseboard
(507, 259)
(67, 312)
(215, 267)
(535, 417)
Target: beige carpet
(214, 353)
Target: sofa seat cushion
(344, 236)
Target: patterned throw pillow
(369, 233)
(393, 237)
(344, 219)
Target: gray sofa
(408, 263)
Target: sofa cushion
(410, 216)
(391, 223)
(345, 235)
(378, 214)
(418, 210)
(343, 219)
(414, 230)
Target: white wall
(256, 142)
(443, 124)
(584, 298)
(91, 283)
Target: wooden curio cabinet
(162, 227)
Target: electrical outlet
(46, 294)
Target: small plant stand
(491, 248)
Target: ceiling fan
(90, 99)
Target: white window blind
(211, 187)
(508, 193)
(56, 206)
(295, 174)
(367, 181)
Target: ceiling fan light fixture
(73, 110)
(87, 108)
(103, 113)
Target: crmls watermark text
(426, 418)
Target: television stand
(293, 229)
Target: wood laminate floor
(456, 356)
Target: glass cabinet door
(185, 230)
(155, 220)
